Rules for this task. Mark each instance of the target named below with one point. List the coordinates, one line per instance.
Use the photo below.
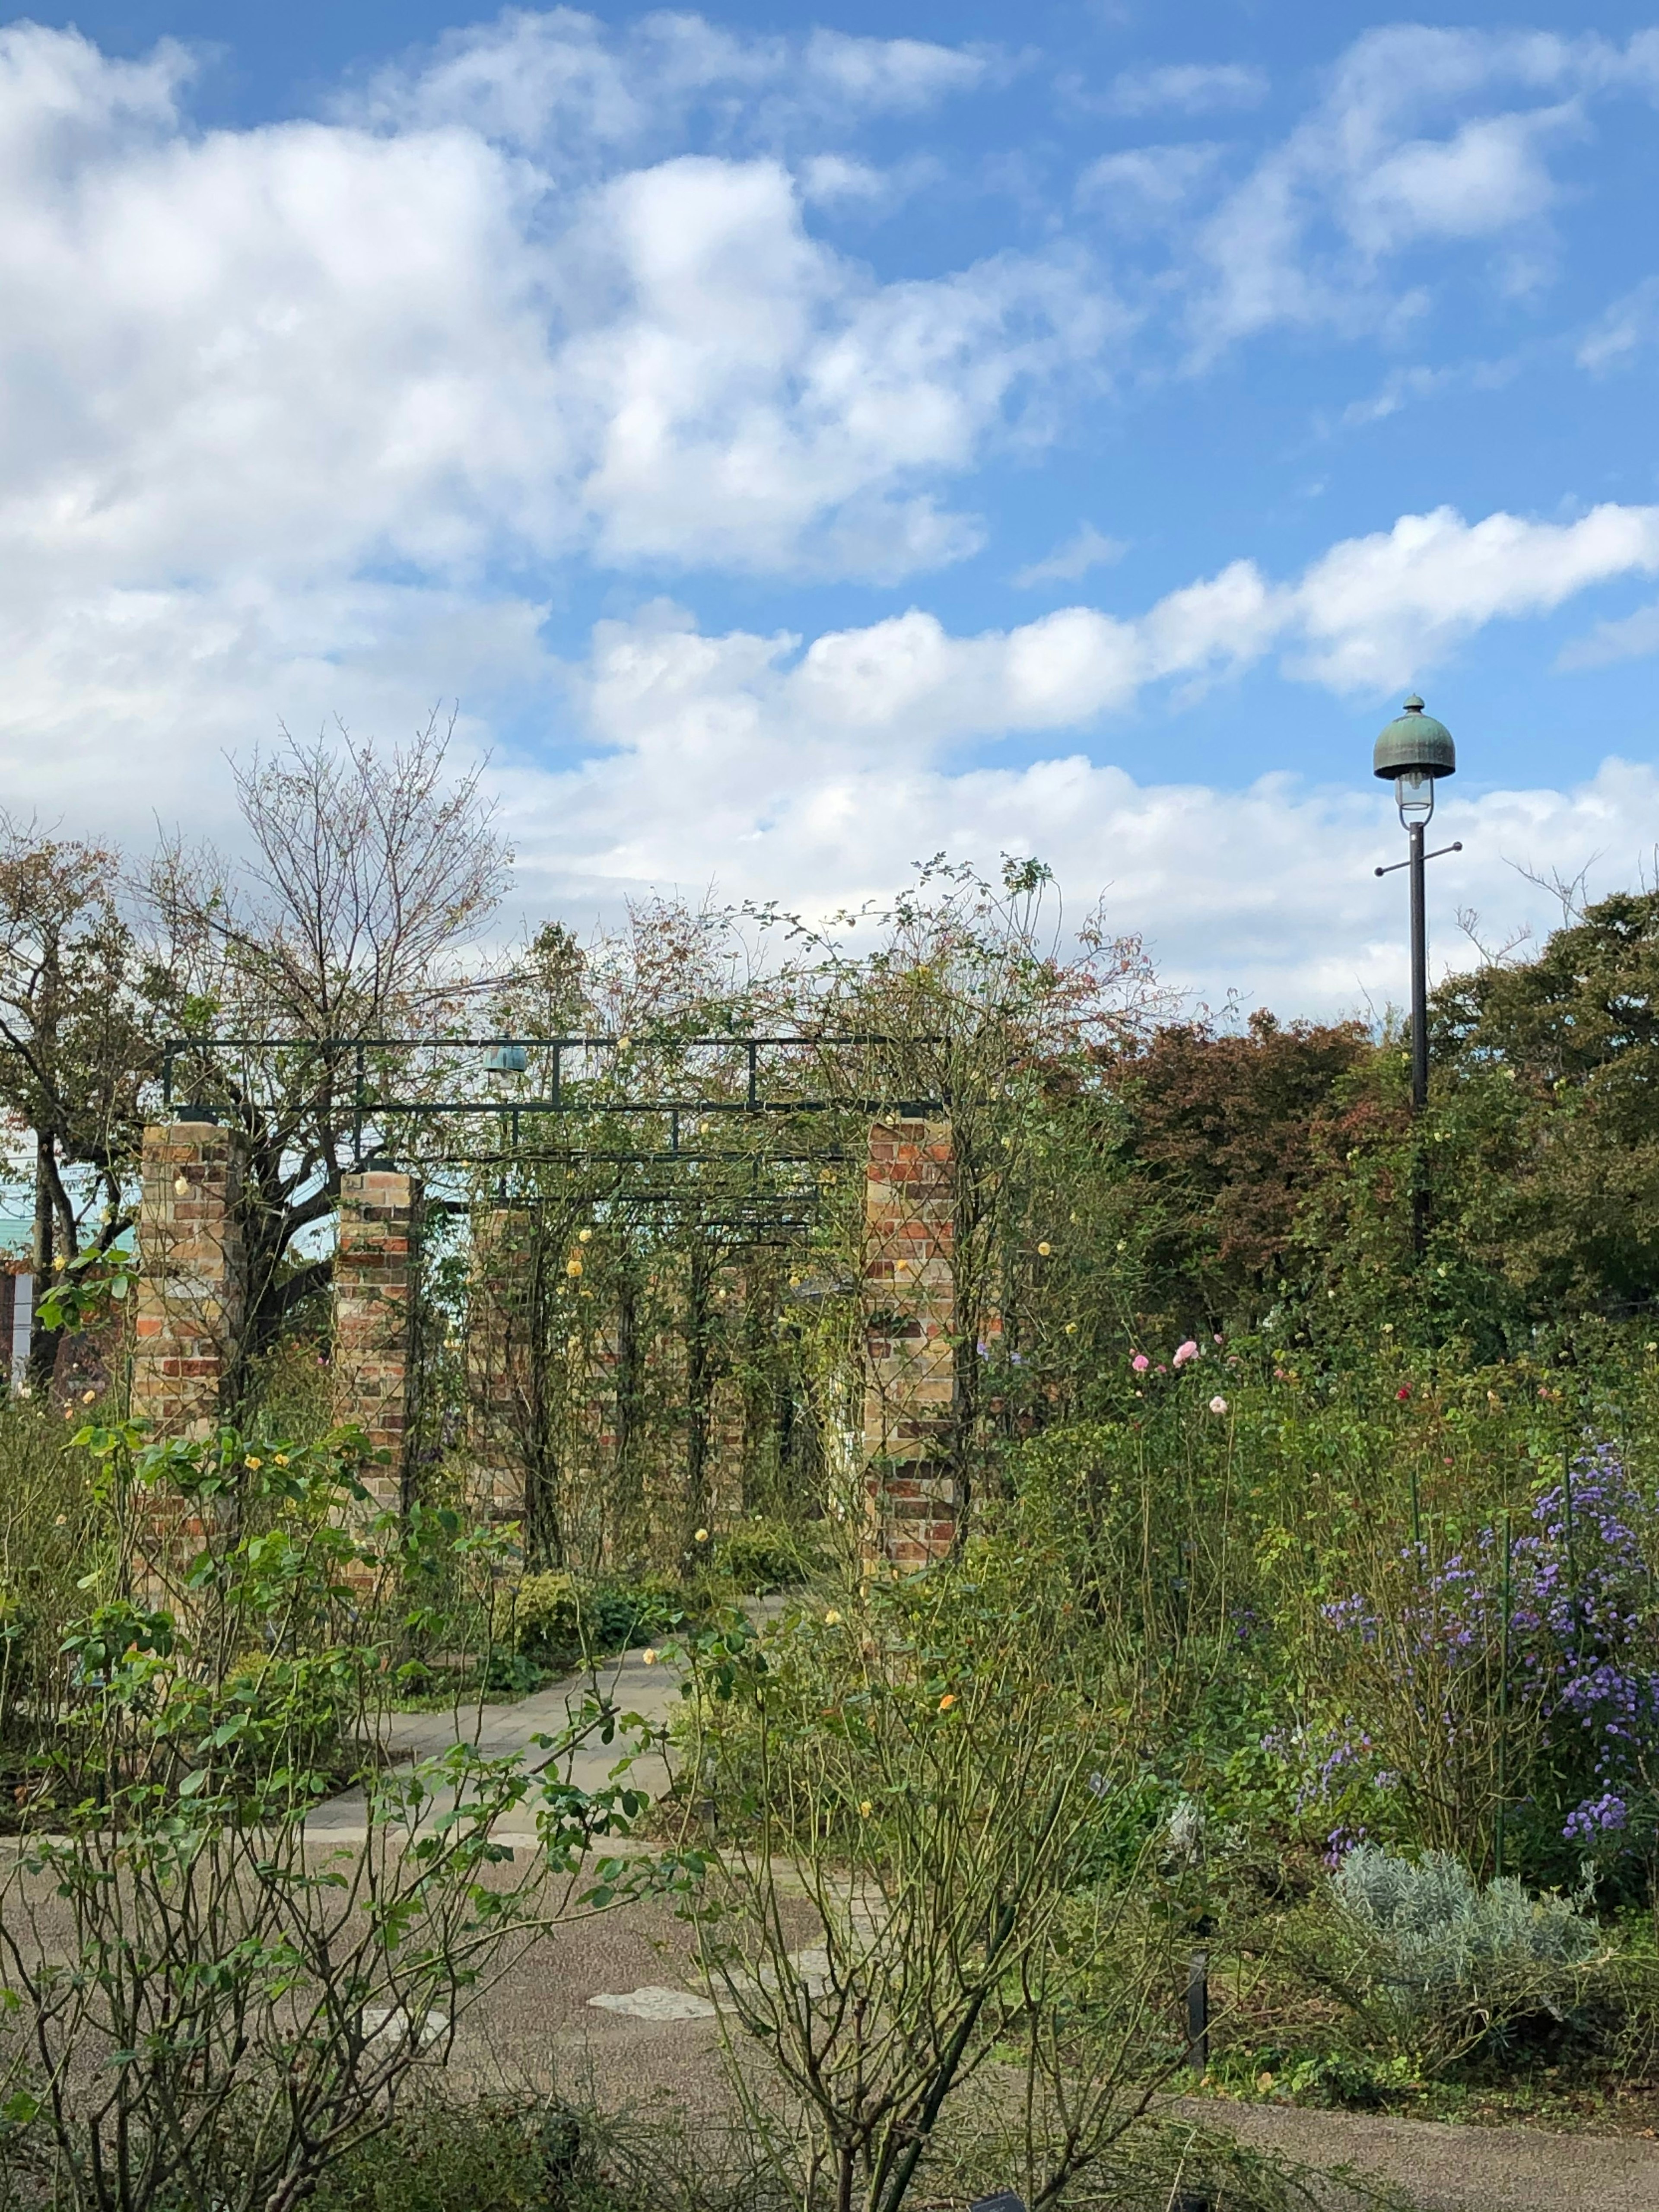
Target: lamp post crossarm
(1438, 851)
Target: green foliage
(444, 2154)
(264, 2000)
(54, 1534)
(760, 1555)
(952, 1720)
(547, 1618)
(86, 1288)
(559, 1621)
(1437, 1960)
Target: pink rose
(1140, 1363)
(1185, 1351)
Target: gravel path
(646, 2044)
(1456, 2169)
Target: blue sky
(802, 442)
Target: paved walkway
(605, 2007)
(1456, 2169)
(506, 1731)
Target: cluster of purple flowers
(1596, 1817)
(1580, 1640)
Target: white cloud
(1628, 326)
(823, 769)
(317, 346)
(1377, 610)
(827, 178)
(578, 94)
(280, 409)
(1633, 638)
(749, 760)
(1269, 891)
(755, 404)
(1411, 144)
(890, 76)
(1086, 549)
(1188, 89)
(1147, 184)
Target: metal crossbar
(559, 1099)
(184, 1048)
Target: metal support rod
(1198, 2013)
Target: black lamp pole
(1419, 970)
(1413, 753)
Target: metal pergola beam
(365, 1110)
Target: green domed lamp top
(1415, 746)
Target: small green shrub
(639, 1609)
(558, 1622)
(762, 1555)
(1443, 1961)
(546, 1619)
(443, 2155)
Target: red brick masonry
(375, 1281)
(909, 1297)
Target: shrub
(1424, 1652)
(443, 2155)
(620, 1614)
(546, 1619)
(761, 1555)
(558, 1622)
(1444, 1960)
(264, 2013)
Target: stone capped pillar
(375, 1287)
(191, 1288)
(910, 1323)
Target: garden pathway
(603, 2007)
(505, 1731)
(1441, 2168)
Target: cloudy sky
(801, 444)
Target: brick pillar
(375, 1283)
(191, 1284)
(497, 1362)
(909, 1301)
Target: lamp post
(1413, 753)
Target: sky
(794, 444)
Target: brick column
(909, 1300)
(192, 1286)
(375, 1284)
(498, 1362)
